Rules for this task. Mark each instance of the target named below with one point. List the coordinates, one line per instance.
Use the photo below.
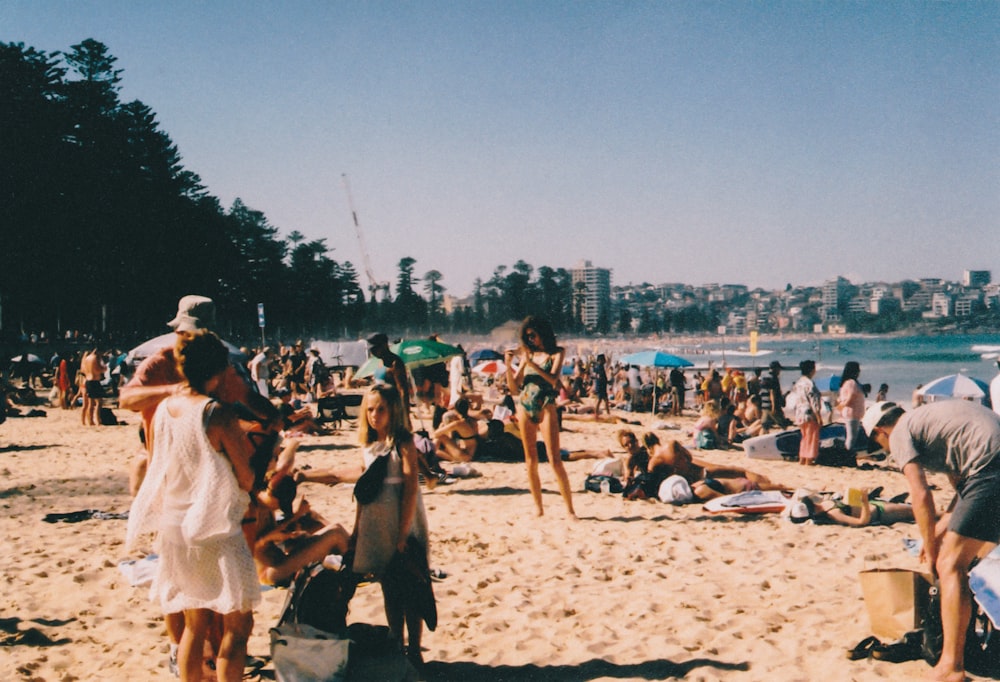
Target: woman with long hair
(385, 525)
(851, 403)
(536, 382)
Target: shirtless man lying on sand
(707, 480)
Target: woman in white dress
(194, 497)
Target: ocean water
(902, 362)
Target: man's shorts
(94, 389)
(975, 512)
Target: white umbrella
(32, 358)
(168, 340)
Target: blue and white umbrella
(956, 386)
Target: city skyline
(758, 144)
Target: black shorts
(94, 389)
(975, 513)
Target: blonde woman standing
(386, 523)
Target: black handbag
(369, 485)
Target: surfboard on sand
(785, 444)
(749, 502)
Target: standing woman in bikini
(536, 382)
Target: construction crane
(374, 286)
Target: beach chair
(330, 411)
(338, 408)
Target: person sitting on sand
(729, 426)
(705, 433)
(638, 456)
(295, 422)
(752, 419)
(707, 480)
(459, 435)
(282, 548)
(873, 512)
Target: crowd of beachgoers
(415, 438)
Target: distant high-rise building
(592, 295)
(833, 291)
(976, 278)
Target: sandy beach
(632, 591)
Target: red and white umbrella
(490, 367)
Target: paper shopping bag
(896, 600)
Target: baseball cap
(798, 512)
(874, 415)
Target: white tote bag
(302, 653)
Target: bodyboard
(749, 502)
(785, 444)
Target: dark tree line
(104, 229)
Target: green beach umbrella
(414, 353)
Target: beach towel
(139, 572)
(611, 466)
(675, 490)
(410, 573)
(84, 515)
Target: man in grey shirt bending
(960, 439)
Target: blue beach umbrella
(654, 358)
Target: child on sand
(385, 525)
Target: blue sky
(742, 142)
